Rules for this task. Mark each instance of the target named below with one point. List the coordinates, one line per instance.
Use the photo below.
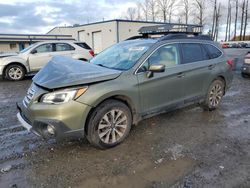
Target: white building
(100, 35)
(17, 42)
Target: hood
(7, 55)
(62, 72)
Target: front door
(163, 89)
(40, 56)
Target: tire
(214, 95)
(244, 75)
(104, 132)
(14, 72)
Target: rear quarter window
(213, 51)
(83, 45)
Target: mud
(185, 148)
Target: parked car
(128, 82)
(32, 59)
(245, 70)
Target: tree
(236, 18)
(214, 18)
(246, 17)
(152, 5)
(186, 12)
(228, 25)
(217, 20)
(131, 13)
(145, 8)
(200, 5)
(242, 6)
(166, 8)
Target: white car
(32, 59)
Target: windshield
(122, 56)
(26, 49)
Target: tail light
(230, 63)
(91, 52)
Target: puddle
(147, 175)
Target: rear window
(213, 51)
(83, 45)
(192, 52)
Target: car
(245, 70)
(126, 83)
(30, 60)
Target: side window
(192, 52)
(213, 51)
(167, 55)
(44, 48)
(63, 47)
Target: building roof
(32, 37)
(106, 21)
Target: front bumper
(245, 69)
(1, 70)
(67, 119)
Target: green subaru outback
(128, 82)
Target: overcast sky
(27, 16)
(34, 16)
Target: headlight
(60, 97)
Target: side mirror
(33, 52)
(156, 68)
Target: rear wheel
(109, 124)
(14, 72)
(244, 75)
(214, 95)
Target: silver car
(32, 59)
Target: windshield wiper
(101, 65)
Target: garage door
(81, 36)
(97, 41)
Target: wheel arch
(14, 63)
(122, 98)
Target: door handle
(180, 75)
(210, 67)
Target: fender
(15, 59)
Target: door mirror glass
(33, 51)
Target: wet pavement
(185, 148)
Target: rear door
(196, 68)
(163, 89)
(40, 56)
(63, 49)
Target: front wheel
(109, 124)
(214, 95)
(15, 72)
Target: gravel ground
(185, 148)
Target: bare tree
(246, 17)
(145, 9)
(217, 20)
(236, 18)
(227, 35)
(214, 18)
(242, 6)
(152, 5)
(230, 21)
(200, 5)
(166, 8)
(131, 13)
(186, 12)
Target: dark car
(245, 70)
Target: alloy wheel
(215, 95)
(15, 73)
(112, 126)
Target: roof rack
(184, 36)
(170, 28)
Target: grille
(28, 97)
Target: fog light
(51, 129)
